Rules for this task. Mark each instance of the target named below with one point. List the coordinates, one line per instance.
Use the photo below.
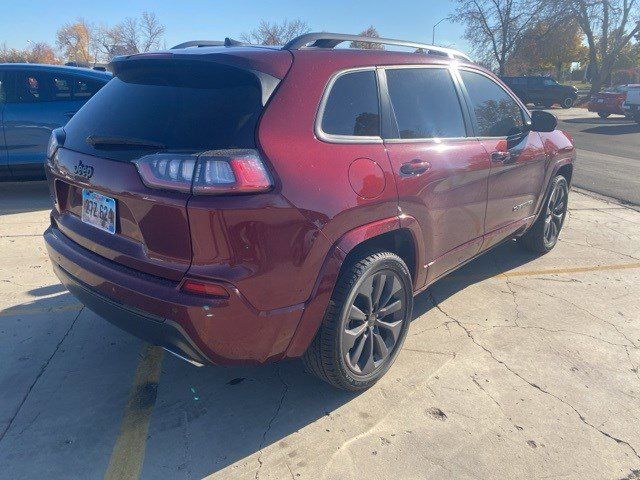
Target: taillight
(231, 171)
(212, 173)
(204, 288)
(167, 171)
(56, 140)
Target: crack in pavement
(588, 244)
(634, 368)
(585, 310)
(561, 330)
(283, 395)
(40, 373)
(582, 418)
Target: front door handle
(500, 157)
(415, 167)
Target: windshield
(169, 107)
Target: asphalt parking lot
(515, 367)
(608, 153)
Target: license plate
(99, 210)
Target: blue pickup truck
(35, 99)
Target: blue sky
(38, 20)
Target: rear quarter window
(351, 108)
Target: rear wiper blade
(107, 143)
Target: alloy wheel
(373, 322)
(556, 211)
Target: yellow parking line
(128, 452)
(555, 271)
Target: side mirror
(542, 121)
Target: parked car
(245, 204)
(542, 91)
(631, 105)
(610, 101)
(35, 99)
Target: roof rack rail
(331, 40)
(227, 42)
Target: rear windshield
(180, 106)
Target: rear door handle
(500, 157)
(415, 167)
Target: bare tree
(368, 32)
(150, 32)
(130, 36)
(609, 26)
(275, 33)
(77, 41)
(494, 27)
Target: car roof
(359, 57)
(57, 68)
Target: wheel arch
(400, 235)
(566, 170)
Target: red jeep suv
(244, 204)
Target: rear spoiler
(267, 81)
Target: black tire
(567, 102)
(543, 234)
(329, 356)
(604, 115)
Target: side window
(61, 87)
(352, 106)
(535, 82)
(85, 88)
(31, 87)
(497, 114)
(425, 103)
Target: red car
(244, 204)
(610, 101)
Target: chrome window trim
(333, 138)
(434, 140)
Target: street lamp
(433, 37)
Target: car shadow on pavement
(501, 259)
(207, 419)
(204, 419)
(21, 197)
(617, 129)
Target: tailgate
(151, 228)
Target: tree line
(510, 35)
(89, 43)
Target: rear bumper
(156, 330)
(204, 330)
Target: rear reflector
(204, 288)
(213, 173)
